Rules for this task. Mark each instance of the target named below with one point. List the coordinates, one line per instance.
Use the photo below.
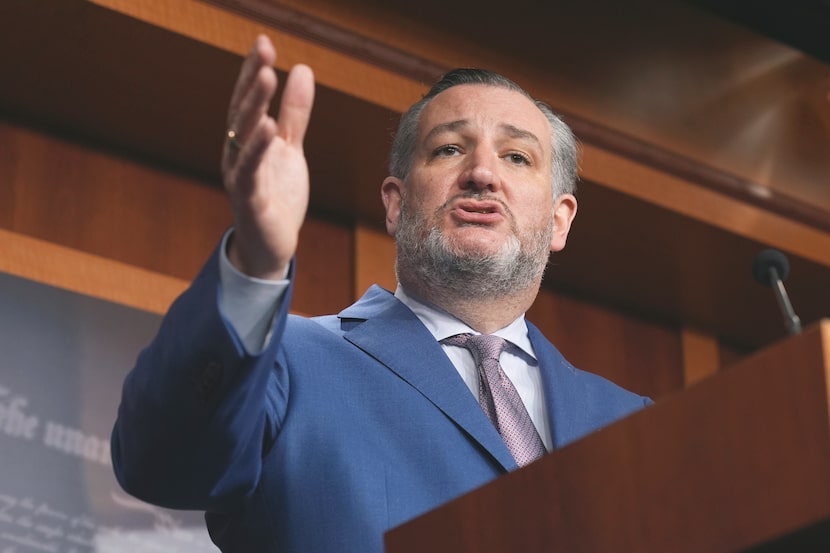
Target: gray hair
(564, 145)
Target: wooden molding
(338, 38)
(687, 169)
(233, 32)
(87, 274)
(721, 211)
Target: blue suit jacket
(344, 427)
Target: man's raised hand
(263, 164)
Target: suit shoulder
(599, 386)
(311, 326)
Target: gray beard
(429, 257)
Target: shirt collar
(443, 325)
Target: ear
(391, 192)
(564, 211)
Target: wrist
(255, 264)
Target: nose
(481, 173)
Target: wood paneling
(728, 355)
(649, 260)
(107, 205)
(389, 35)
(374, 260)
(717, 210)
(637, 354)
(738, 113)
(647, 241)
(111, 207)
(234, 33)
(701, 356)
(87, 274)
(325, 268)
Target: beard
(433, 259)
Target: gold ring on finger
(233, 140)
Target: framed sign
(71, 326)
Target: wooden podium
(738, 462)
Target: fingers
(252, 95)
(263, 164)
(248, 120)
(255, 87)
(295, 108)
(253, 106)
(251, 158)
(251, 130)
(261, 55)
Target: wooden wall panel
(106, 205)
(119, 209)
(147, 109)
(87, 274)
(639, 355)
(729, 354)
(701, 356)
(374, 260)
(716, 210)
(234, 33)
(325, 268)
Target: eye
(447, 150)
(518, 159)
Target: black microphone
(770, 268)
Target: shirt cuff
(248, 303)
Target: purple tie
(499, 398)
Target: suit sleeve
(197, 410)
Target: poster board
(65, 353)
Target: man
(300, 435)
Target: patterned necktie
(499, 398)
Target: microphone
(770, 268)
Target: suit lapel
(419, 360)
(565, 395)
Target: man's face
(482, 167)
(480, 186)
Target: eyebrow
(511, 130)
(451, 126)
(516, 132)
